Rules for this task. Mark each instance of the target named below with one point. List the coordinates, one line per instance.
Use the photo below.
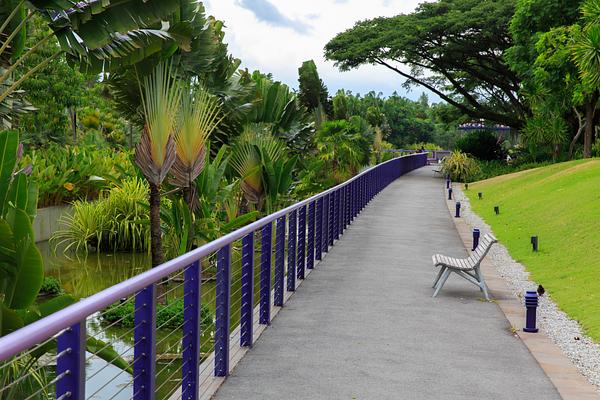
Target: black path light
(466, 186)
(448, 182)
(531, 303)
(497, 209)
(476, 235)
(450, 194)
(534, 243)
(457, 215)
(480, 195)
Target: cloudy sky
(278, 35)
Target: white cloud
(258, 34)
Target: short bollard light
(497, 209)
(450, 194)
(476, 235)
(534, 243)
(531, 302)
(480, 195)
(448, 183)
(457, 215)
(466, 186)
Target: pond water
(84, 276)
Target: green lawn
(561, 204)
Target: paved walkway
(364, 325)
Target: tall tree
(454, 48)
(313, 92)
(546, 35)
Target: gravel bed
(565, 332)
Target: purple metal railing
(313, 225)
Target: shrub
(482, 145)
(51, 286)
(490, 169)
(168, 315)
(426, 146)
(460, 166)
(68, 173)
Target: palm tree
(261, 162)
(155, 154)
(586, 55)
(338, 145)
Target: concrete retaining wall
(47, 221)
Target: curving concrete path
(364, 324)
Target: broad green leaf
(10, 321)
(107, 353)
(241, 221)
(48, 307)
(30, 267)
(9, 142)
(18, 193)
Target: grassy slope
(561, 204)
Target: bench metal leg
(442, 281)
(482, 284)
(437, 278)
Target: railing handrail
(35, 333)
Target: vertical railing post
(310, 243)
(279, 261)
(192, 318)
(336, 215)
(344, 208)
(291, 265)
(222, 311)
(247, 300)
(348, 204)
(144, 351)
(319, 230)
(301, 254)
(265, 274)
(331, 212)
(356, 198)
(325, 243)
(71, 363)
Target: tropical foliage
(68, 173)
(459, 166)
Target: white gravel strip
(565, 332)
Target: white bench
(468, 268)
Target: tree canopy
(454, 48)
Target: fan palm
(198, 118)
(156, 154)
(253, 148)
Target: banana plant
(21, 264)
(98, 35)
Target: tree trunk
(580, 128)
(590, 111)
(189, 200)
(73, 112)
(155, 233)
